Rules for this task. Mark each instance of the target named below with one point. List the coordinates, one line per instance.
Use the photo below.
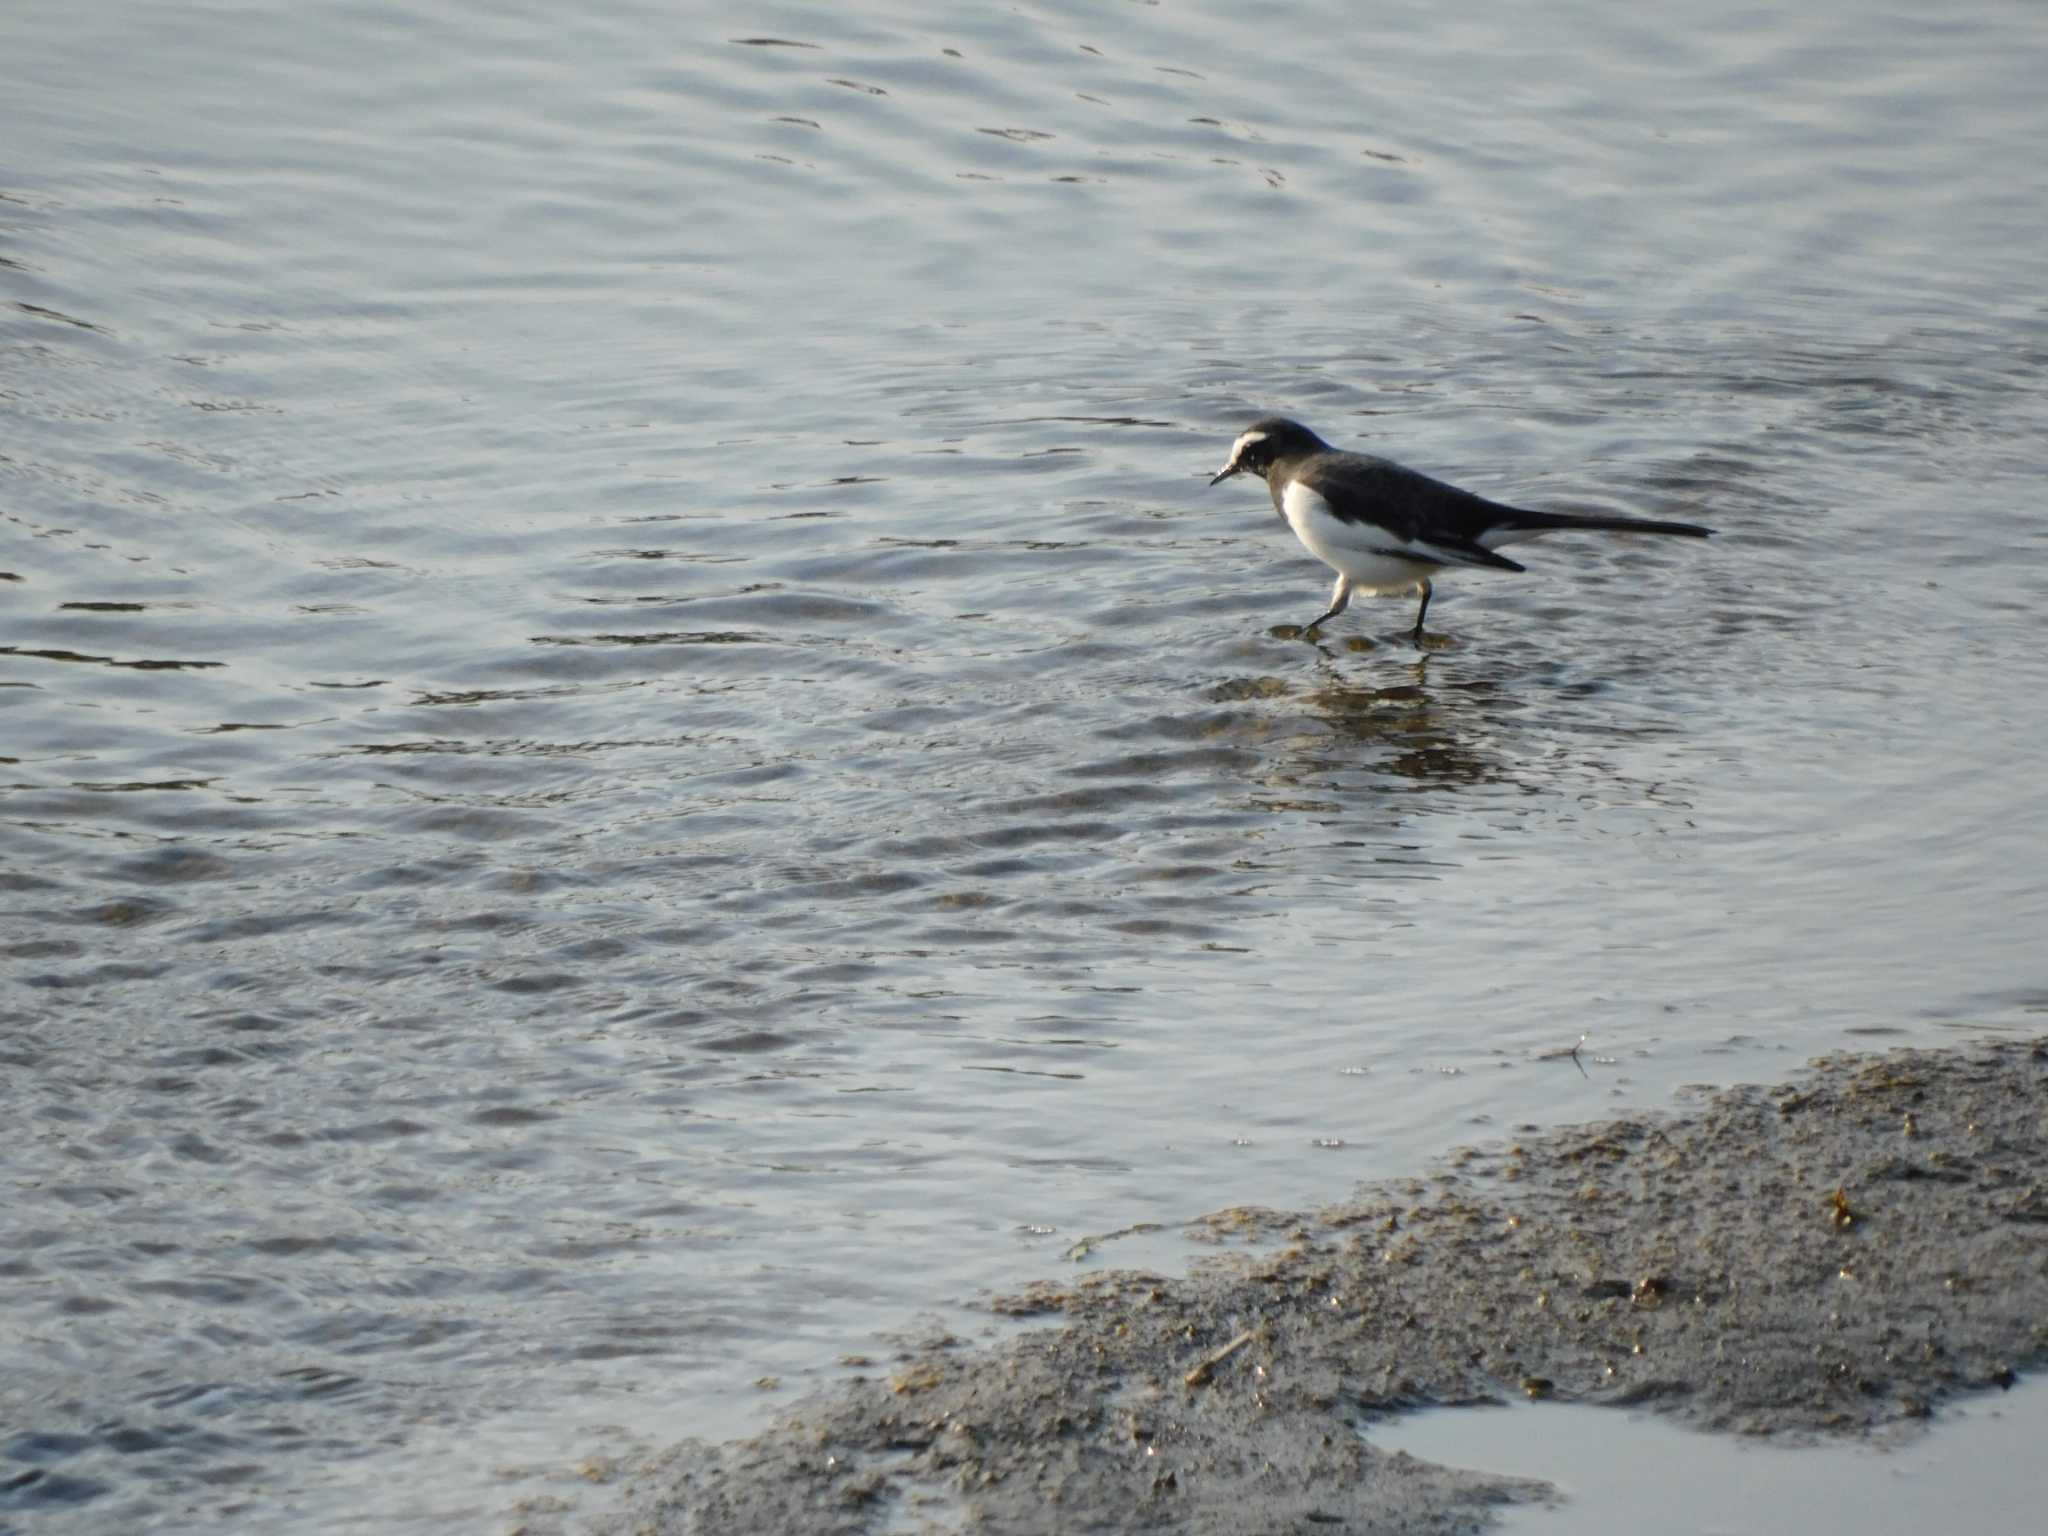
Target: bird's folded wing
(1447, 552)
(1439, 522)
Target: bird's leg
(1340, 599)
(1416, 633)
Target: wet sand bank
(1833, 1255)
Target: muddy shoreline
(1832, 1255)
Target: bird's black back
(1362, 488)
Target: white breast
(1369, 555)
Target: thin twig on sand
(1206, 1366)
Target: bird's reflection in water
(1429, 734)
(1398, 725)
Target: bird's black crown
(1272, 439)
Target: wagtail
(1385, 528)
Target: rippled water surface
(632, 751)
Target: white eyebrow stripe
(1245, 442)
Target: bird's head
(1265, 443)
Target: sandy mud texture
(1837, 1254)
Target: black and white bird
(1385, 528)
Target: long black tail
(1549, 520)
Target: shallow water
(633, 752)
(1978, 1470)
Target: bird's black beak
(1232, 468)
